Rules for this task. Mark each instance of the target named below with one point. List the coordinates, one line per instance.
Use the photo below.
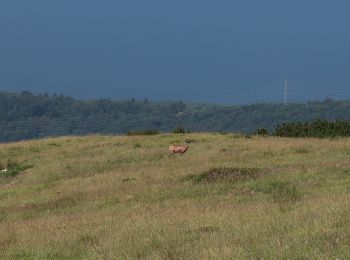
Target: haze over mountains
(224, 52)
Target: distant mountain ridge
(28, 116)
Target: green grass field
(228, 197)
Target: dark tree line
(27, 116)
(317, 129)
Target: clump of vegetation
(142, 132)
(261, 131)
(129, 179)
(179, 130)
(137, 145)
(54, 144)
(281, 191)
(203, 229)
(13, 168)
(189, 141)
(301, 150)
(229, 174)
(317, 129)
(35, 149)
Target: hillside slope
(228, 197)
(26, 116)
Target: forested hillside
(27, 116)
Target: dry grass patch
(107, 197)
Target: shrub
(281, 191)
(129, 179)
(261, 131)
(142, 132)
(179, 130)
(227, 174)
(14, 168)
(137, 145)
(318, 129)
(189, 141)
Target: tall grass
(125, 197)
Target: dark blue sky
(222, 51)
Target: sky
(221, 51)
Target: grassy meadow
(228, 197)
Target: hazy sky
(224, 51)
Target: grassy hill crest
(126, 197)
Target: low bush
(317, 129)
(189, 141)
(261, 131)
(179, 130)
(142, 132)
(13, 168)
(228, 174)
(1, 166)
(137, 145)
(281, 191)
(129, 179)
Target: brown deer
(176, 148)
